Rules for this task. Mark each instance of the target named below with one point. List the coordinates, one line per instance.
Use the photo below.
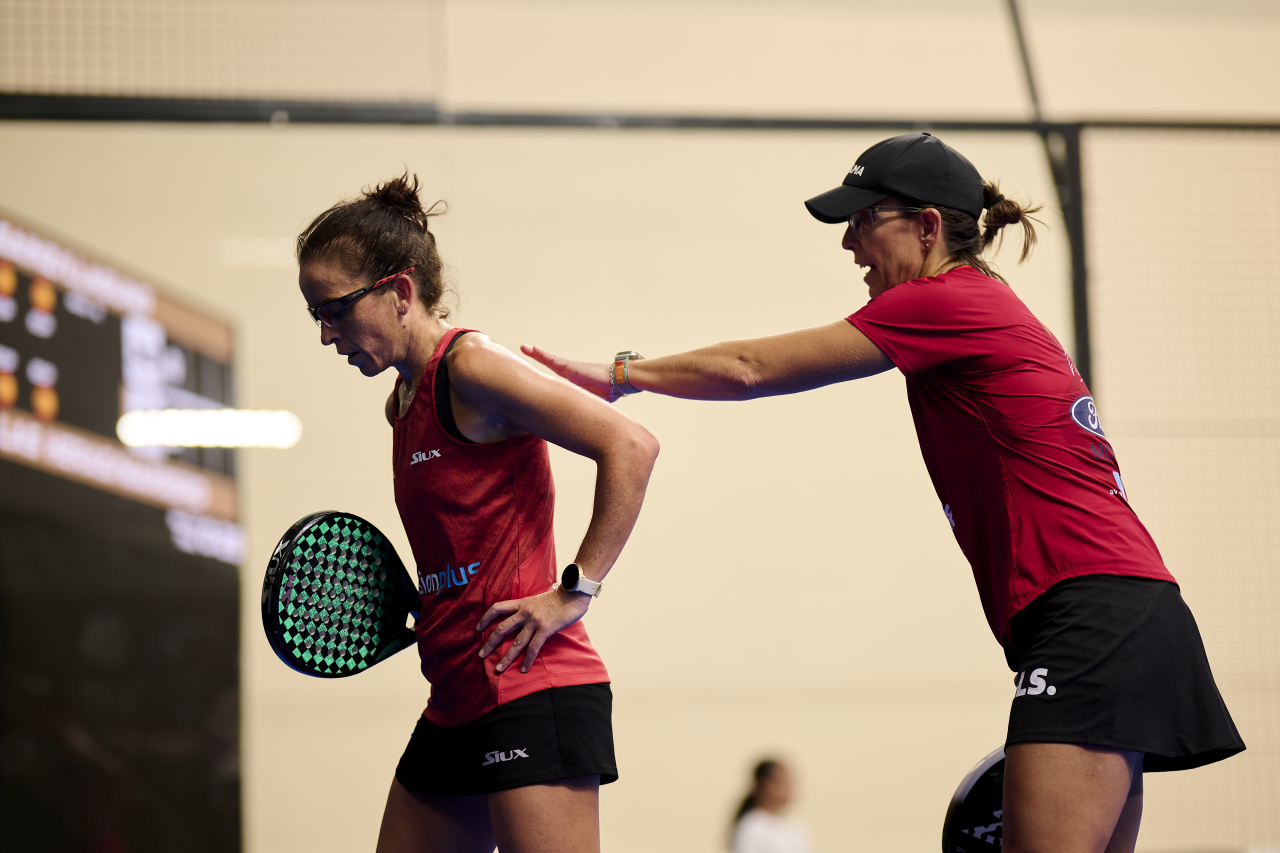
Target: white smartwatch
(573, 580)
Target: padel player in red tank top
(1111, 675)
(479, 519)
(517, 735)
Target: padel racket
(974, 818)
(336, 597)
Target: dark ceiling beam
(93, 108)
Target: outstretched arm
(740, 370)
(503, 396)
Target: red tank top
(479, 520)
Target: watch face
(569, 579)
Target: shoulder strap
(444, 408)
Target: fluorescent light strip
(209, 428)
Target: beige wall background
(841, 628)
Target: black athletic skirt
(553, 734)
(1117, 662)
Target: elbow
(647, 447)
(641, 449)
(653, 448)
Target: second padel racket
(974, 821)
(336, 597)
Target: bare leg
(556, 817)
(414, 824)
(1125, 837)
(1068, 798)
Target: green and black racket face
(336, 597)
(974, 821)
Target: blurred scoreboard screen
(119, 592)
(82, 343)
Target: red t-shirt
(1011, 438)
(479, 519)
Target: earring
(402, 310)
(926, 247)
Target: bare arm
(498, 395)
(740, 370)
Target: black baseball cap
(916, 166)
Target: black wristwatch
(573, 580)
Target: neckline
(436, 354)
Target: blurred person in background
(1111, 675)
(759, 825)
(511, 754)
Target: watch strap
(590, 587)
(620, 374)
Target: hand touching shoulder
(498, 395)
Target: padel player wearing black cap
(516, 738)
(1111, 675)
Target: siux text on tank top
(448, 578)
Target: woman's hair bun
(382, 232)
(400, 196)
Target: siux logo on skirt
(495, 757)
(1036, 686)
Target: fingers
(518, 648)
(495, 639)
(540, 355)
(512, 652)
(531, 653)
(521, 619)
(502, 608)
(580, 373)
(536, 619)
(529, 643)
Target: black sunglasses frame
(315, 311)
(857, 226)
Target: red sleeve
(928, 323)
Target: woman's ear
(405, 293)
(931, 225)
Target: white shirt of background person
(761, 827)
(760, 831)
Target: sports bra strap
(444, 407)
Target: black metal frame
(1061, 139)
(93, 108)
(1062, 149)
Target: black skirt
(1118, 662)
(554, 734)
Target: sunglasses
(331, 313)
(865, 218)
